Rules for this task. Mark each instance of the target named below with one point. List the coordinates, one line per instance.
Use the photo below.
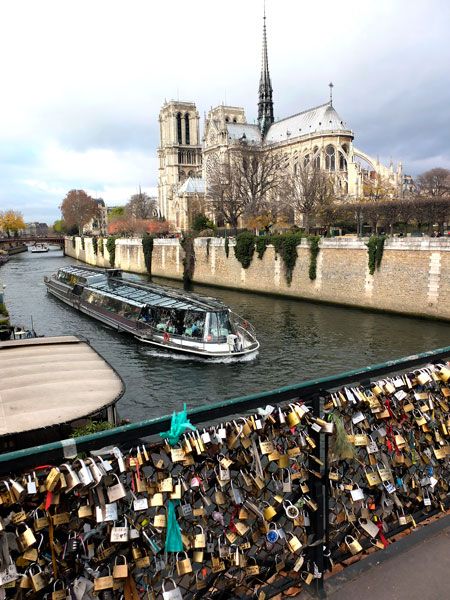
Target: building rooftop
(244, 131)
(314, 120)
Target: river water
(299, 340)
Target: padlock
(353, 545)
(292, 418)
(291, 511)
(105, 582)
(200, 538)
(170, 594)
(269, 512)
(286, 481)
(72, 480)
(59, 590)
(117, 491)
(184, 565)
(52, 479)
(136, 552)
(40, 522)
(119, 534)
(294, 543)
(37, 577)
(159, 521)
(73, 545)
(85, 511)
(120, 571)
(95, 469)
(17, 490)
(9, 575)
(272, 535)
(25, 536)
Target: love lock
(291, 511)
(272, 536)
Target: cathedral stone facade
(317, 135)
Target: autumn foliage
(78, 209)
(11, 222)
(129, 226)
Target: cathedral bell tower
(179, 152)
(265, 103)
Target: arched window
(234, 120)
(186, 126)
(306, 160)
(342, 162)
(330, 158)
(179, 128)
(227, 119)
(345, 148)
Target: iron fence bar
(218, 411)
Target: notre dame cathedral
(317, 134)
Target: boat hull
(160, 340)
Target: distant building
(35, 229)
(97, 225)
(317, 136)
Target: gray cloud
(388, 61)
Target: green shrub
(82, 242)
(95, 245)
(92, 427)
(261, 244)
(101, 246)
(227, 247)
(313, 253)
(3, 310)
(147, 247)
(286, 246)
(375, 249)
(73, 242)
(245, 248)
(111, 247)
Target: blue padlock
(272, 536)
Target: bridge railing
(274, 516)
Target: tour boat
(39, 248)
(164, 317)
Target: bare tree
(310, 188)
(245, 183)
(434, 183)
(141, 206)
(78, 209)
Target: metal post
(318, 517)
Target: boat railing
(244, 327)
(170, 337)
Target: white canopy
(47, 381)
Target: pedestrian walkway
(417, 567)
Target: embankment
(413, 279)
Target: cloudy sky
(83, 82)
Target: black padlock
(72, 546)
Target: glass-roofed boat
(165, 317)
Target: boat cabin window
(179, 322)
(115, 305)
(219, 326)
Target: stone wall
(414, 277)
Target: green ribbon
(178, 426)
(174, 543)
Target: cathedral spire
(265, 102)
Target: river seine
(299, 340)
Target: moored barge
(164, 317)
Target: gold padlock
(59, 591)
(120, 571)
(37, 577)
(25, 536)
(292, 417)
(294, 543)
(269, 512)
(184, 565)
(353, 545)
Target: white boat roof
(52, 380)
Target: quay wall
(414, 277)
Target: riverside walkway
(415, 567)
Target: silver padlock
(174, 593)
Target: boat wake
(227, 360)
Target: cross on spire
(331, 86)
(265, 102)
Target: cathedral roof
(192, 185)
(246, 131)
(315, 120)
